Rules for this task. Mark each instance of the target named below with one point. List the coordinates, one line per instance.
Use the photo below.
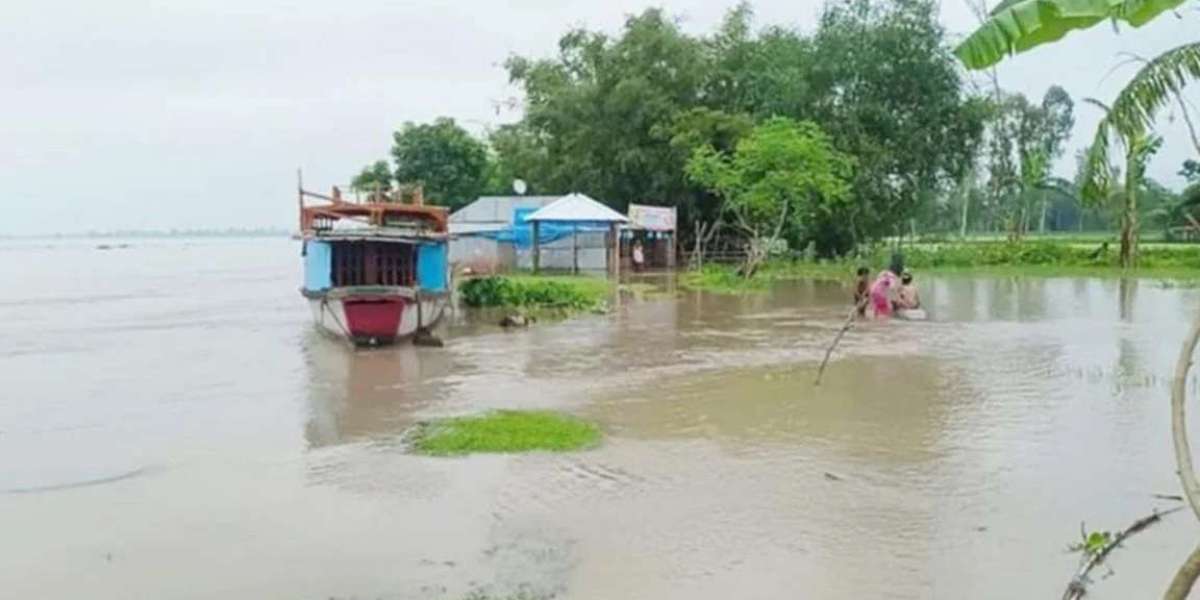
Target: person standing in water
(907, 297)
(862, 290)
(639, 257)
(883, 290)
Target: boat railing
(378, 206)
(410, 194)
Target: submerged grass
(505, 431)
(536, 291)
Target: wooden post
(300, 197)
(616, 251)
(537, 248)
(575, 249)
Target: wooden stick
(1185, 577)
(1179, 434)
(862, 304)
(1078, 586)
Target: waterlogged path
(171, 427)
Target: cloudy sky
(128, 114)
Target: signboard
(653, 218)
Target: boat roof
(383, 214)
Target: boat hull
(375, 318)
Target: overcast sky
(196, 113)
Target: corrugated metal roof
(578, 208)
(461, 228)
(498, 209)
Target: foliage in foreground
(505, 431)
(574, 293)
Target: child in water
(862, 290)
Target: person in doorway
(883, 290)
(862, 290)
(907, 296)
(639, 257)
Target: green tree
(373, 177)
(445, 158)
(784, 173)
(519, 153)
(882, 81)
(597, 111)
(1190, 171)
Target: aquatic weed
(504, 431)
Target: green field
(1042, 257)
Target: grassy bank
(505, 431)
(536, 291)
(1030, 258)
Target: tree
(883, 83)
(783, 173)
(600, 109)
(519, 154)
(1023, 140)
(374, 177)
(1190, 171)
(448, 161)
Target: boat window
(368, 263)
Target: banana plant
(1019, 25)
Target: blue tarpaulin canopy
(520, 233)
(564, 217)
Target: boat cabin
(374, 271)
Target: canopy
(577, 208)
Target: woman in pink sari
(883, 290)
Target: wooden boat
(911, 314)
(375, 271)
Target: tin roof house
(502, 233)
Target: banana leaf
(1018, 25)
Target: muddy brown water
(172, 427)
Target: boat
(911, 314)
(376, 269)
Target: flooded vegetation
(504, 431)
(950, 458)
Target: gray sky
(196, 113)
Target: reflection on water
(952, 458)
(355, 396)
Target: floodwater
(172, 427)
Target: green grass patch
(536, 291)
(724, 279)
(505, 431)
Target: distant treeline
(916, 146)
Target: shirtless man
(907, 296)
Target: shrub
(576, 293)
